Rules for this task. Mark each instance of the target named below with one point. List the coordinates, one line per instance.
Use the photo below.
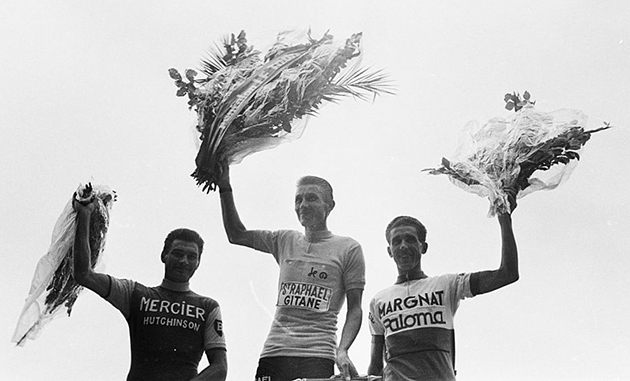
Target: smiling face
(181, 261)
(406, 248)
(311, 207)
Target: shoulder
(206, 300)
(283, 238)
(346, 239)
(288, 234)
(124, 284)
(450, 278)
(349, 252)
(446, 277)
(281, 235)
(384, 293)
(347, 242)
(459, 285)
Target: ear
(163, 257)
(331, 205)
(389, 251)
(425, 247)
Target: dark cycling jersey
(169, 330)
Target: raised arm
(486, 281)
(350, 330)
(234, 228)
(82, 270)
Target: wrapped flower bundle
(53, 286)
(512, 152)
(247, 104)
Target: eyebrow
(405, 235)
(179, 250)
(307, 194)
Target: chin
(409, 268)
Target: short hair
(322, 183)
(182, 234)
(421, 231)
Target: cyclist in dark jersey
(170, 326)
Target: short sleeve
(119, 294)
(265, 241)
(460, 286)
(376, 326)
(270, 242)
(354, 271)
(463, 286)
(213, 335)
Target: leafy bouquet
(53, 286)
(247, 104)
(507, 153)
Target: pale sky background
(86, 96)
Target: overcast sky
(86, 96)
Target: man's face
(405, 248)
(311, 207)
(181, 261)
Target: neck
(317, 235)
(175, 286)
(410, 275)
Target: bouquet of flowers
(246, 103)
(511, 153)
(53, 286)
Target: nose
(301, 204)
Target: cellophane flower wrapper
(53, 288)
(510, 153)
(248, 103)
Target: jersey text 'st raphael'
(314, 278)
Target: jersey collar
(175, 286)
(316, 236)
(402, 278)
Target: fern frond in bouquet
(247, 104)
(53, 287)
(531, 151)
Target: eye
(192, 257)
